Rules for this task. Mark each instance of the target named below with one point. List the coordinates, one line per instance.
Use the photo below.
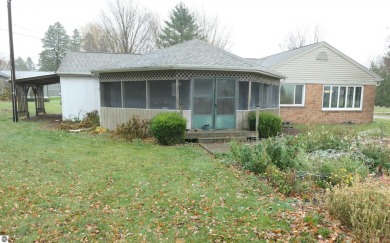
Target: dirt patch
(49, 121)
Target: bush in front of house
(168, 128)
(251, 157)
(364, 207)
(91, 119)
(252, 120)
(135, 128)
(270, 125)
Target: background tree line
(126, 27)
(382, 68)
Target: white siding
(307, 68)
(79, 95)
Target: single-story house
(323, 85)
(213, 88)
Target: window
(342, 97)
(111, 94)
(292, 94)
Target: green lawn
(382, 110)
(60, 186)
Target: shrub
(168, 128)
(378, 154)
(253, 158)
(328, 138)
(135, 128)
(284, 152)
(285, 181)
(270, 125)
(364, 207)
(91, 119)
(252, 120)
(334, 167)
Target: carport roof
(33, 77)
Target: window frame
(347, 88)
(303, 95)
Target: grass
(59, 186)
(382, 110)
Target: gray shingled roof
(194, 54)
(275, 59)
(83, 62)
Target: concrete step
(220, 139)
(218, 134)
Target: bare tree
(126, 26)
(212, 30)
(302, 37)
(94, 39)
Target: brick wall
(312, 111)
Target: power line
(35, 37)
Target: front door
(214, 103)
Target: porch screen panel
(275, 96)
(265, 96)
(255, 95)
(111, 94)
(184, 94)
(243, 88)
(162, 94)
(134, 94)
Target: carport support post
(257, 122)
(12, 60)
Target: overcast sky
(358, 28)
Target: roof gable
(278, 61)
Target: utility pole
(12, 60)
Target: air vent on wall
(323, 56)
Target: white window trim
(346, 95)
(294, 105)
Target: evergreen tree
(30, 64)
(20, 64)
(181, 27)
(55, 45)
(75, 41)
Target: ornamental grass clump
(364, 207)
(168, 128)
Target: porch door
(214, 103)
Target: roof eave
(185, 67)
